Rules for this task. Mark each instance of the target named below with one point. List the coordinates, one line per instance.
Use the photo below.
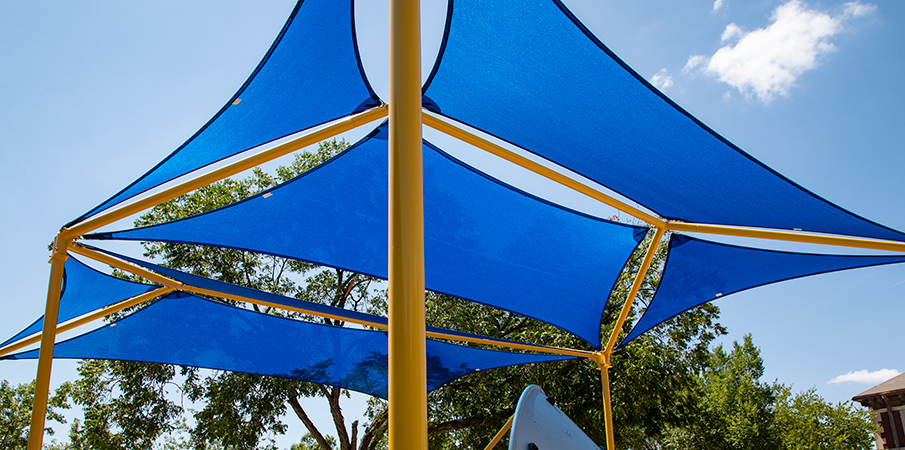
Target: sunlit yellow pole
(120, 212)
(172, 284)
(499, 435)
(607, 402)
(48, 337)
(604, 364)
(99, 314)
(407, 347)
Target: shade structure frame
(679, 226)
(371, 101)
(451, 128)
(125, 210)
(676, 240)
(555, 9)
(171, 284)
(48, 340)
(204, 333)
(87, 318)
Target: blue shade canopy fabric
(698, 271)
(484, 241)
(529, 72)
(278, 300)
(310, 75)
(85, 290)
(187, 330)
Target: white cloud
(855, 9)
(693, 62)
(662, 80)
(767, 62)
(717, 5)
(732, 30)
(865, 377)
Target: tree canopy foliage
(670, 387)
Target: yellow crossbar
(175, 284)
(233, 168)
(82, 320)
(784, 235)
(538, 168)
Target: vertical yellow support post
(607, 401)
(604, 362)
(48, 338)
(407, 348)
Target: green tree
(309, 443)
(658, 381)
(808, 422)
(736, 410)
(651, 380)
(15, 413)
(135, 405)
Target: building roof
(893, 387)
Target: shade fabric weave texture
(85, 290)
(484, 241)
(187, 330)
(310, 75)
(698, 271)
(602, 120)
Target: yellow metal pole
(407, 346)
(636, 286)
(48, 337)
(792, 236)
(544, 171)
(233, 168)
(460, 133)
(604, 363)
(500, 434)
(607, 402)
(175, 284)
(79, 321)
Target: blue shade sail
(278, 300)
(85, 290)
(484, 241)
(698, 271)
(529, 72)
(187, 330)
(310, 75)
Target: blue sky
(97, 92)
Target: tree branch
(338, 420)
(468, 422)
(297, 407)
(369, 439)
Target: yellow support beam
(82, 320)
(636, 286)
(784, 235)
(607, 402)
(538, 168)
(499, 435)
(174, 284)
(604, 363)
(48, 338)
(458, 132)
(407, 367)
(249, 162)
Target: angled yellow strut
(112, 215)
(48, 336)
(604, 362)
(82, 320)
